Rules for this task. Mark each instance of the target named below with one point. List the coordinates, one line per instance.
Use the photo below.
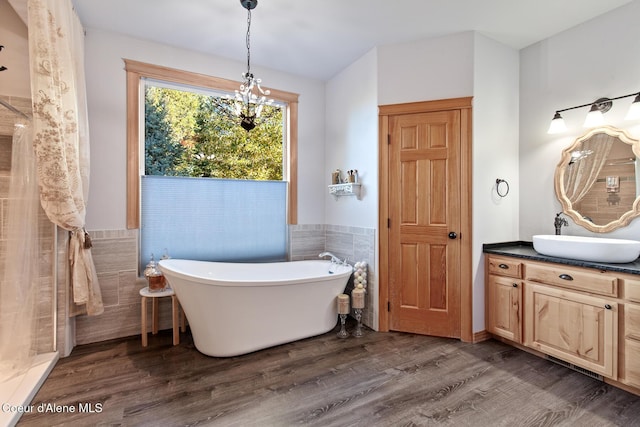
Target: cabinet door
(503, 307)
(630, 371)
(578, 328)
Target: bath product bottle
(335, 177)
(154, 276)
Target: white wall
(352, 141)
(468, 64)
(106, 92)
(495, 155)
(15, 80)
(426, 70)
(599, 58)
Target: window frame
(137, 71)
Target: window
(188, 132)
(138, 71)
(196, 156)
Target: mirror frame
(567, 207)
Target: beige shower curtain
(61, 135)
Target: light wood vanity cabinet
(572, 326)
(567, 317)
(504, 297)
(505, 319)
(630, 333)
(584, 316)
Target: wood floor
(381, 379)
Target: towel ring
(505, 192)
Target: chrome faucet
(334, 259)
(559, 222)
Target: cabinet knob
(607, 306)
(503, 266)
(515, 285)
(565, 277)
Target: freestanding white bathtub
(237, 308)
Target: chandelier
(248, 103)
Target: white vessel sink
(587, 248)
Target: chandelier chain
(248, 42)
(248, 103)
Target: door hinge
(388, 305)
(388, 222)
(388, 139)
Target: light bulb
(557, 124)
(594, 117)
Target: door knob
(453, 235)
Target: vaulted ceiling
(319, 38)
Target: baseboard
(481, 336)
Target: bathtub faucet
(334, 259)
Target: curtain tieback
(86, 238)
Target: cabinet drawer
(509, 267)
(580, 279)
(631, 289)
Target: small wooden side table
(175, 310)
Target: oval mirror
(597, 180)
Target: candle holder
(358, 332)
(343, 331)
(358, 304)
(343, 310)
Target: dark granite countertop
(522, 249)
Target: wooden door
(579, 328)
(424, 223)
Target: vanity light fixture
(249, 101)
(595, 116)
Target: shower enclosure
(28, 251)
(39, 259)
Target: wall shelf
(346, 189)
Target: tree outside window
(187, 135)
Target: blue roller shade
(213, 219)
